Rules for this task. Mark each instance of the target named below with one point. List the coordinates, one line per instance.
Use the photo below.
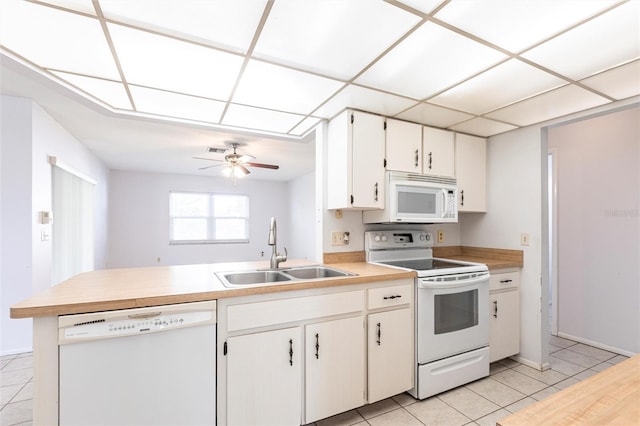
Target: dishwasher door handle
(145, 316)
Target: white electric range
(452, 309)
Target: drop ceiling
(276, 68)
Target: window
(196, 217)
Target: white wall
(514, 194)
(29, 135)
(302, 221)
(139, 220)
(598, 227)
(16, 221)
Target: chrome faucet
(276, 258)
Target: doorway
(552, 203)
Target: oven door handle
(435, 284)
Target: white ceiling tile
(428, 61)
(364, 99)
(483, 127)
(306, 125)
(112, 93)
(164, 63)
(502, 85)
(55, 39)
(169, 104)
(334, 38)
(516, 25)
(85, 6)
(228, 24)
(260, 119)
(424, 6)
(556, 103)
(602, 43)
(275, 87)
(434, 115)
(619, 83)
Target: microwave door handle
(445, 208)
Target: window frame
(211, 219)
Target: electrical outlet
(524, 239)
(338, 238)
(440, 236)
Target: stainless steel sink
(252, 277)
(245, 278)
(315, 272)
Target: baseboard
(532, 364)
(596, 344)
(16, 351)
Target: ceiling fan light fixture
(234, 171)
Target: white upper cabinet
(471, 173)
(403, 146)
(355, 156)
(438, 152)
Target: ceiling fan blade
(208, 159)
(208, 167)
(243, 168)
(264, 166)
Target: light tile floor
(510, 387)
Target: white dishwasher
(146, 366)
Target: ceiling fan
(235, 165)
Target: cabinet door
(391, 353)
(264, 378)
(438, 148)
(335, 367)
(504, 338)
(471, 173)
(367, 160)
(403, 146)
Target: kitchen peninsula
(129, 289)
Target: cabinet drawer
(505, 280)
(389, 296)
(271, 312)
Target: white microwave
(414, 198)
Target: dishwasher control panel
(85, 327)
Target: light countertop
(110, 289)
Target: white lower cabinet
(504, 308)
(296, 357)
(264, 378)
(389, 343)
(335, 367)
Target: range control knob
(384, 238)
(427, 236)
(422, 237)
(376, 238)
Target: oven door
(453, 315)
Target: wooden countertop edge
(373, 273)
(609, 397)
